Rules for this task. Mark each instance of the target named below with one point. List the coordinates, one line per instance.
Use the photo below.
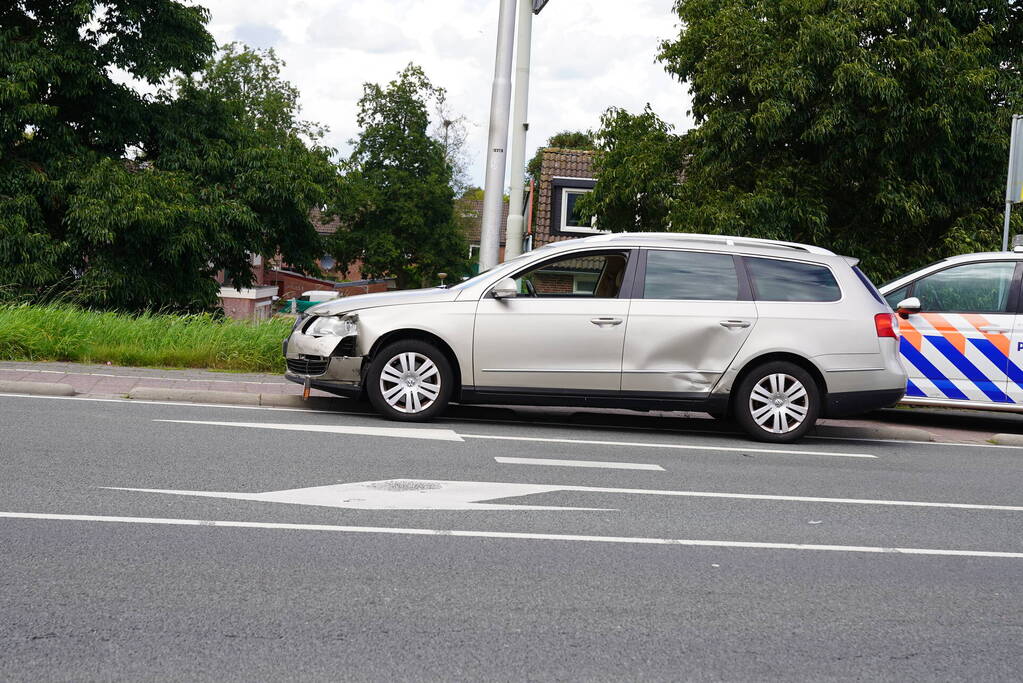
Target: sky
(587, 55)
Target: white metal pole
(513, 244)
(1009, 199)
(500, 104)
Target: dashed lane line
(579, 463)
(676, 446)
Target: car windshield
(506, 266)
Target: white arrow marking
(426, 494)
(513, 535)
(392, 494)
(580, 463)
(399, 432)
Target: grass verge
(62, 332)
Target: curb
(235, 398)
(887, 432)
(1007, 439)
(194, 396)
(37, 388)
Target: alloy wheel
(410, 382)
(779, 403)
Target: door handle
(994, 329)
(730, 324)
(601, 322)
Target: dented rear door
(691, 313)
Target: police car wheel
(410, 381)
(777, 402)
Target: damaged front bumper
(328, 363)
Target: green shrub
(63, 332)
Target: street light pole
(513, 243)
(500, 104)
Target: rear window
(775, 280)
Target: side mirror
(906, 307)
(505, 289)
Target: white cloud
(587, 55)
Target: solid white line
(685, 447)
(397, 432)
(579, 463)
(799, 499)
(573, 425)
(516, 535)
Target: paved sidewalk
(109, 381)
(112, 380)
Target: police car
(961, 325)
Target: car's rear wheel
(409, 380)
(777, 402)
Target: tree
(251, 78)
(875, 129)
(638, 168)
(452, 131)
(130, 201)
(396, 203)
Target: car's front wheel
(409, 380)
(777, 402)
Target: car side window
(778, 280)
(972, 287)
(690, 275)
(598, 276)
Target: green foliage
(136, 202)
(396, 202)
(251, 78)
(63, 332)
(877, 129)
(638, 167)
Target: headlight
(338, 326)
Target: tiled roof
(470, 214)
(324, 225)
(557, 163)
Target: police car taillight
(887, 325)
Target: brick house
(275, 281)
(565, 175)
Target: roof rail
(723, 239)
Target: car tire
(410, 381)
(777, 402)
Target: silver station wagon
(772, 334)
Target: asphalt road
(157, 541)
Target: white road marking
(517, 535)
(572, 425)
(449, 435)
(579, 463)
(678, 446)
(430, 494)
(398, 432)
(391, 494)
